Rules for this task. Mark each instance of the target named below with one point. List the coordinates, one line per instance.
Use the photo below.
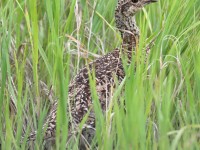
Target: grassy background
(44, 44)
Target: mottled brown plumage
(107, 69)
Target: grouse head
(131, 7)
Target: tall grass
(44, 44)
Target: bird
(107, 69)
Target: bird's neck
(126, 24)
(130, 35)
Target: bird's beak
(150, 1)
(153, 1)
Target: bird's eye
(134, 1)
